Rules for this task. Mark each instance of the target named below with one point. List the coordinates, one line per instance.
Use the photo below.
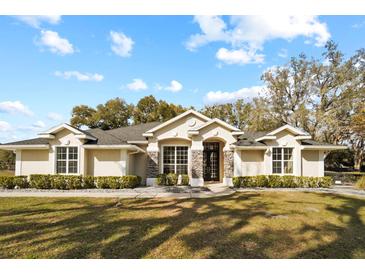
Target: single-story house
(191, 143)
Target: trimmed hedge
(277, 181)
(41, 181)
(171, 179)
(10, 182)
(361, 183)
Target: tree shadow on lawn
(249, 225)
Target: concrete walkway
(180, 192)
(140, 192)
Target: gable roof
(81, 133)
(178, 117)
(294, 130)
(218, 121)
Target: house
(206, 149)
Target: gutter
(128, 147)
(333, 147)
(12, 147)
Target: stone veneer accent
(152, 164)
(228, 163)
(196, 163)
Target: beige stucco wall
(105, 162)
(311, 164)
(252, 162)
(179, 128)
(35, 162)
(138, 164)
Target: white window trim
(67, 160)
(174, 145)
(282, 161)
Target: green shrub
(361, 183)
(40, 181)
(130, 181)
(88, 182)
(274, 181)
(10, 182)
(107, 182)
(262, 181)
(58, 182)
(117, 182)
(161, 179)
(169, 179)
(185, 180)
(277, 181)
(236, 181)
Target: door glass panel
(211, 161)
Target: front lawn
(244, 225)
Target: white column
(320, 163)
(237, 165)
(123, 162)
(297, 161)
(82, 163)
(18, 162)
(268, 161)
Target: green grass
(244, 225)
(6, 172)
(361, 183)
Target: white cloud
(122, 45)
(221, 97)
(283, 53)
(137, 84)
(14, 107)
(239, 56)
(80, 76)
(55, 43)
(55, 116)
(252, 32)
(213, 29)
(174, 86)
(36, 21)
(38, 125)
(5, 126)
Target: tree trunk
(358, 159)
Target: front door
(211, 161)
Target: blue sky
(50, 64)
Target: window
(66, 160)
(282, 160)
(175, 159)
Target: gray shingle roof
(248, 138)
(315, 143)
(248, 143)
(118, 136)
(34, 141)
(252, 135)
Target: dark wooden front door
(211, 161)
